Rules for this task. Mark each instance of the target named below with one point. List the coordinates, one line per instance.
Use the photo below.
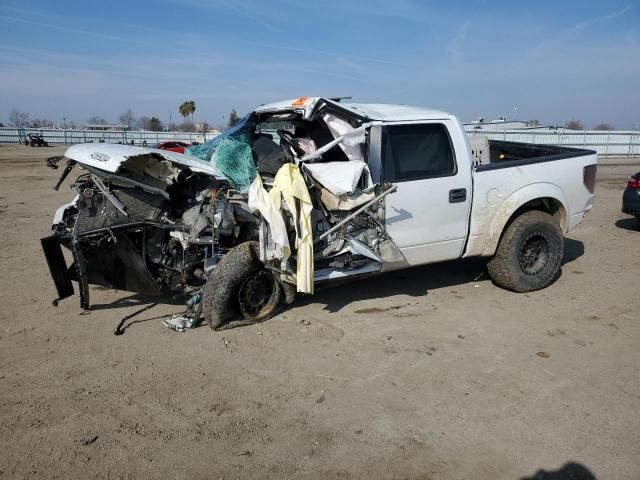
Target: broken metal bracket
(52, 162)
(391, 189)
(65, 172)
(108, 195)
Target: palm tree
(184, 109)
(192, 108)
(188, 107)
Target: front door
(427, 216)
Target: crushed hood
(109, 157)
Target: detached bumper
(57, 267)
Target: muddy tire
(529, 255)
(240, 287)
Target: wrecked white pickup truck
(307, 191)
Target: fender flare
(515, 201)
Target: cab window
(417, 151)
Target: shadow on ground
(415, 282)
(570, 471)
(138, 300)
(573, 249)
(632, 224)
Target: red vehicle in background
(172, 146)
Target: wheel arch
(544, 197)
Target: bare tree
(533, 123)
(574, 124)
(127, 119)
(603, 126)
(41, 123)
(186, 127)
(17, 118)
(152, 124)
(233, 117)
(95, 120)
(155, 125)
(142, 122)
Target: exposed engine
(151, 234)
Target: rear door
(427, 217)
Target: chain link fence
(68, 136)
(606, 143)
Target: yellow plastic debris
(288, 186)
(260, 200)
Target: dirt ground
(431, 373)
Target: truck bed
(518, 173)
(510, 154)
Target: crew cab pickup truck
(313, 190)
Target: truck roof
(394, 112)
(373, 111)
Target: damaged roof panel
(393, 113)
(306, 106)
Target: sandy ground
(431, 373)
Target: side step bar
(326, 274)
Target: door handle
(457, 195)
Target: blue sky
(529, 60)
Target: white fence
(613, 143)
(67, 137)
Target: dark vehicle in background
(631, 197)
(172, 146)
(35, 140)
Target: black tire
(237, 271)
(529, 255)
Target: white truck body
(408, 190)
(428, 228)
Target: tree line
(127, 119)
(575, 124)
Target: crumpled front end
(150, 226)
(294, 179)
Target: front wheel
(529, 255)
(240, 287)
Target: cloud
(334, 54)
(260, 13)
(602, 18)
(455, 47)
(62, 28)
(568, 32)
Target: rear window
(414, 152)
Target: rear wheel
(529, 254)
